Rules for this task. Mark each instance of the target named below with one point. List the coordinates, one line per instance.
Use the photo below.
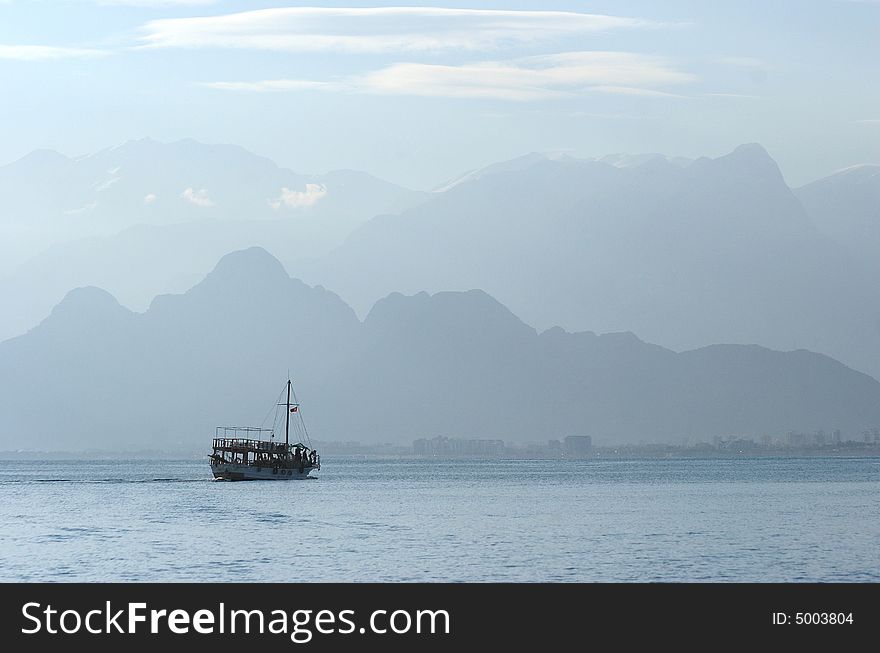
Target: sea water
(743, 519)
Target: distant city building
(578, 446)
(796, 439)
(816, 439)
(443, 446)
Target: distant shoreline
(600, 455)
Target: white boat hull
(233, 472)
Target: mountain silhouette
(846, 205)
(685, 254)
(95, 375)
(147, 217)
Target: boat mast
(287, 423)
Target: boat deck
(242, 445)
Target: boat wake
(108, 481)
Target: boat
(241, 454)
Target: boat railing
(246, 444)
(245, 431)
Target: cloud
(149, 198)
(83, 209)
(629, 90)
(46, 52)
(197, 197)
(271, 85)
(154, 3)
(102, 186)
(528, 78)
(377, 29)
(868, 121)
(297, 199)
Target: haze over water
(744, 519)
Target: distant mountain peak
(89, 304)
(136, 144)
(474, 310)
(252, 263)
(423, 298)
(41, 158)
(523, 162)
(752, 153)
(624, 160)
(749, 161)
(90, 295)
(533, 159)
(858, 173)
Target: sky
(422, 93)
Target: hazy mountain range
(148, 217)
(846, 206)
(683, 252)
(95, 374)
(148, 182)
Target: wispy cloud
(197, 197)
(46, 52)
(271, 85)
(298, 199)
(629, 90)
(83, 209)
(868, 121)
(376, 29)
(154, 3)
(528, 78)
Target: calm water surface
(748, 519)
